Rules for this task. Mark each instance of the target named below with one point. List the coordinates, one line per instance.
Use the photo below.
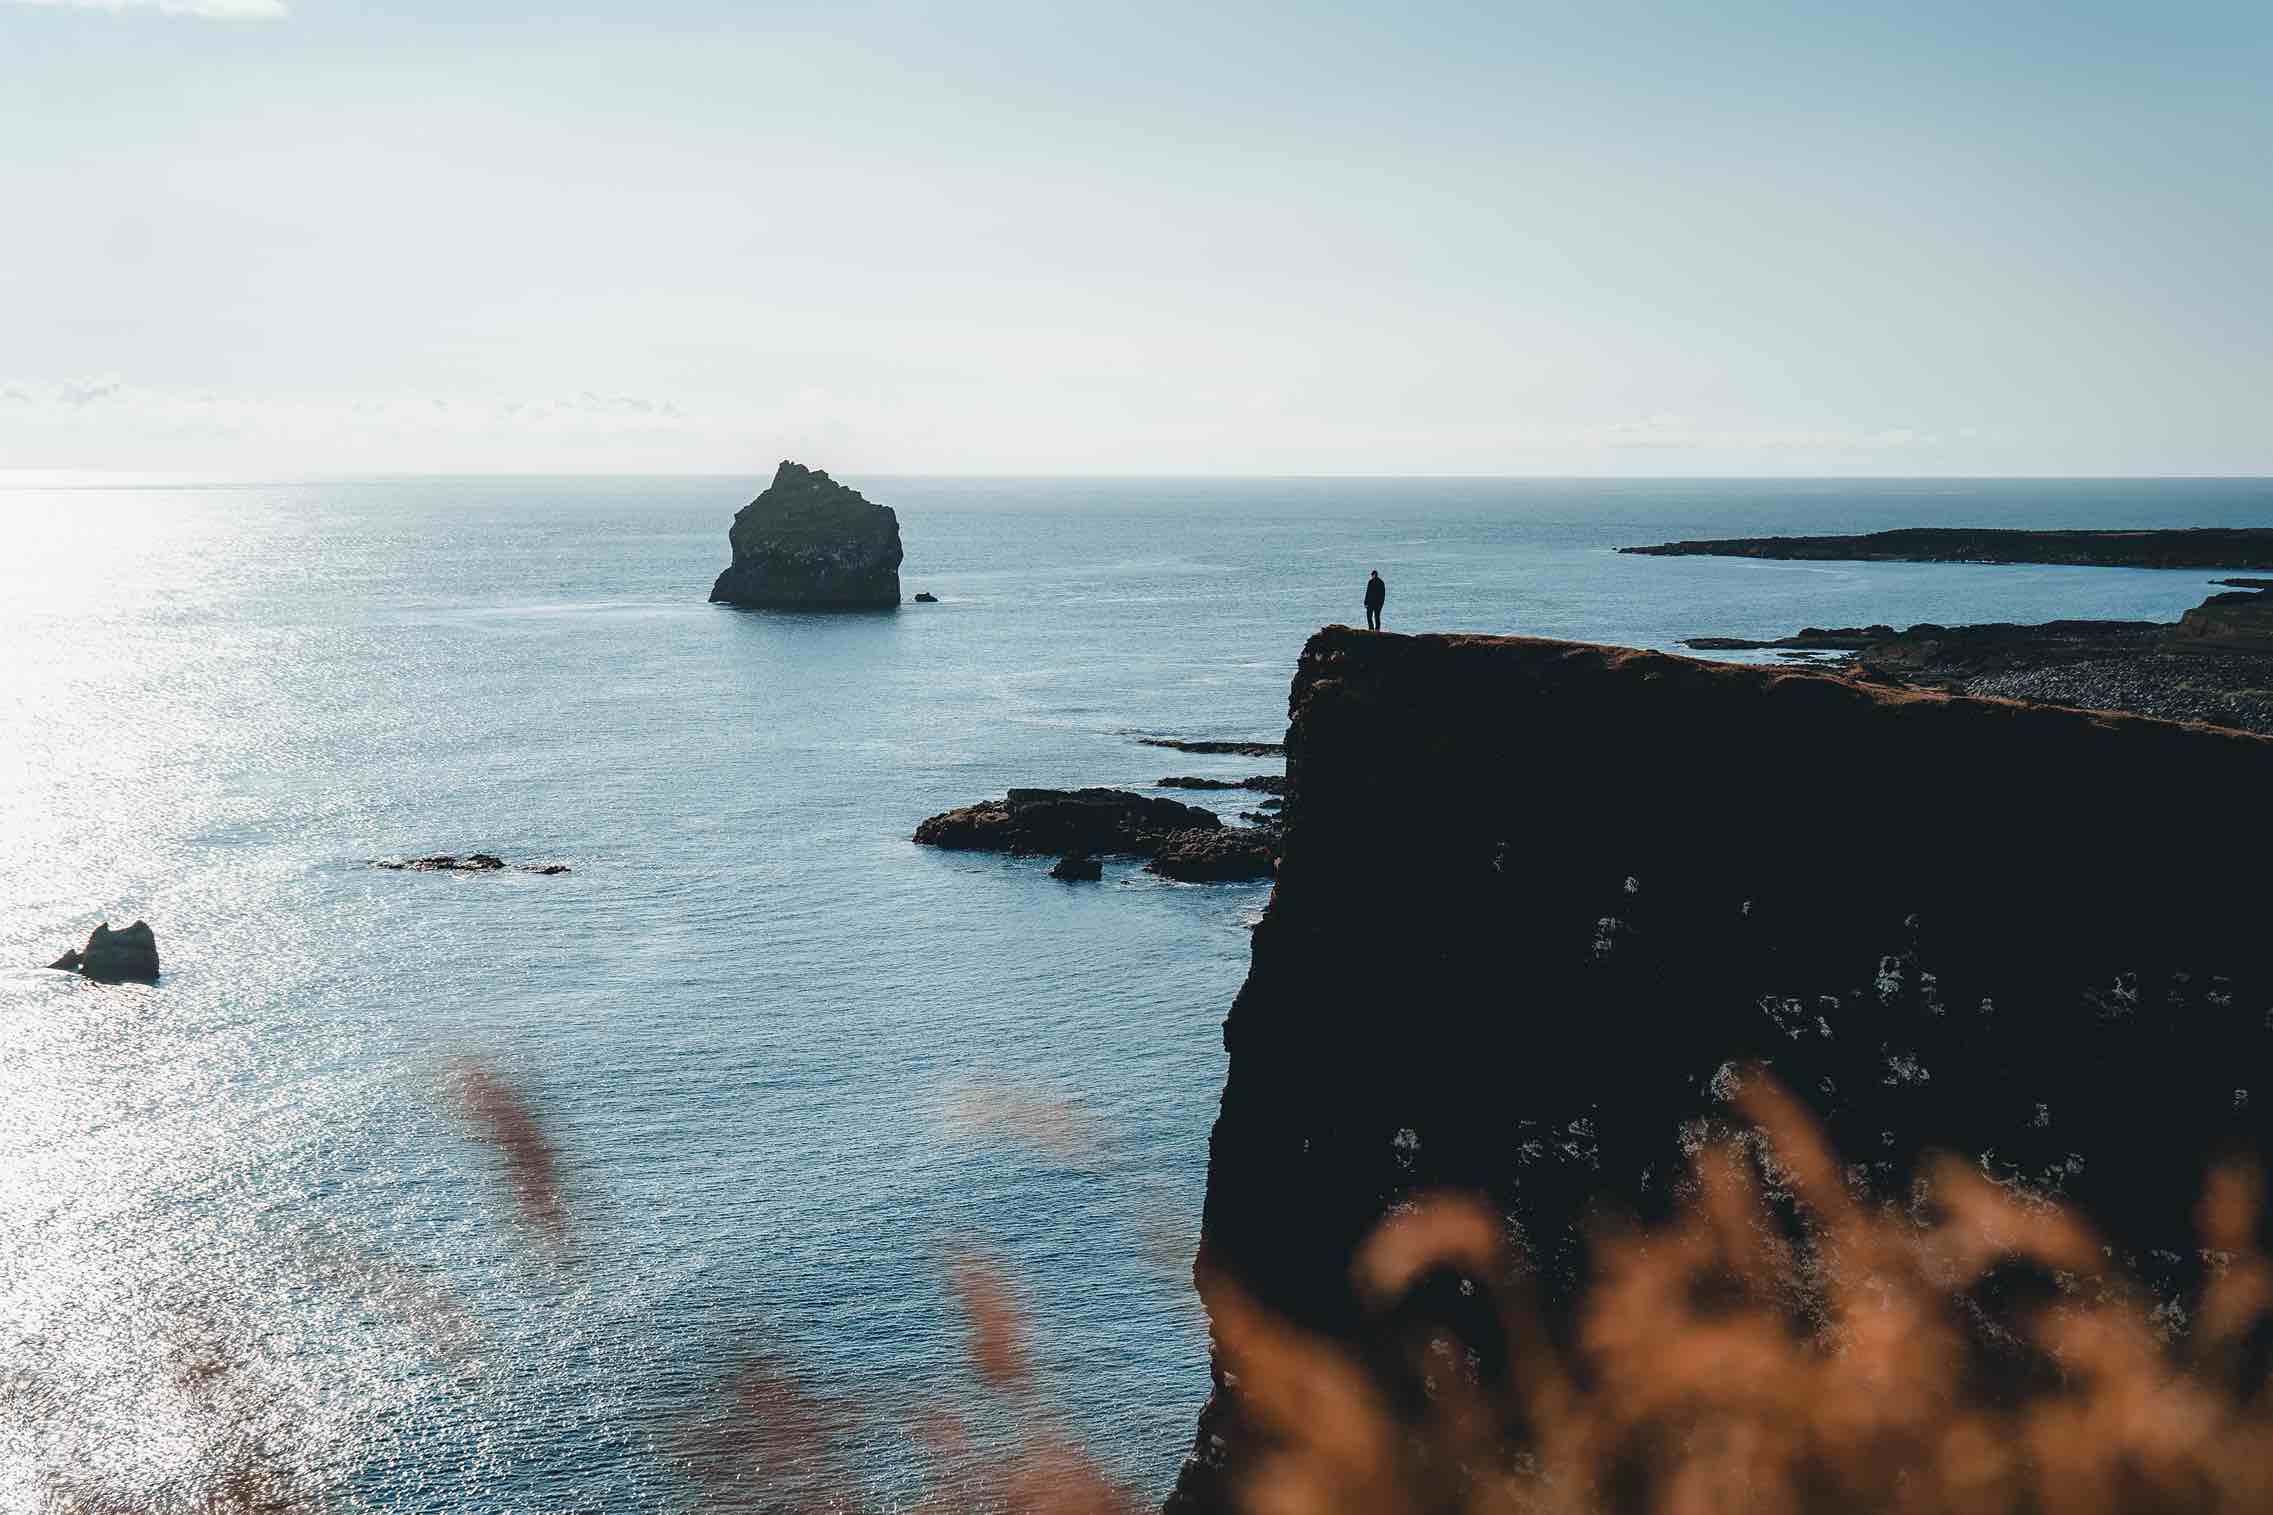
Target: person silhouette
(1375, 593)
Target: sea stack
(129, 953)
(810, 543)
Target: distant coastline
(2186, 547)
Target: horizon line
(96, 478)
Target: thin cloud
(216, 10)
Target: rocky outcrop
(2189, 547)
(1078, 868)
(1261, 783)
(474, 862)
(127, 954)
(1064, 822)
(2145, 667)
(810, 543)
(1806, 639)
(1224, 855)
(1535, 896)
(2237, 622)
(1216, 746)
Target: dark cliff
(809, 542)
(1534, 896)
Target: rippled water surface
(793, 1063)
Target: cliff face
(1535, 895)
(809, 542)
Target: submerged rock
(1065, 821)
(1221, 856)
(1213, 745)
(1261, 783)
(1078, 868)
(1806, 639)
(475, 862)
(129, 953)
(811, 543)
(926, 597)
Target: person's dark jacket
(1375, 592)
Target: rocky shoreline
(2215, 664)
(2186, 547)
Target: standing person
(1375, 593)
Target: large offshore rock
(811, 543)
(1064, 822)
(1535, 896)
(129, 953)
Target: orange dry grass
(1784, 1347)
(1721, 1364)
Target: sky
(1732, 237)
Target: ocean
(796, 1068)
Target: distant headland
(810, 543)
(2189, 547)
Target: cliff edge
(1536, 896)
(811, 543)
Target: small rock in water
(926, 597)
(115, 956)
(1221, 856)
(1266, 783)
(1065, 821)
(450, 862)
(1077, 868)
(1211, 745)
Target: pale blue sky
(282, 236)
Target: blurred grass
(1787, 1344)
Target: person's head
(1375, 574)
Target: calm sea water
(794, 1064)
